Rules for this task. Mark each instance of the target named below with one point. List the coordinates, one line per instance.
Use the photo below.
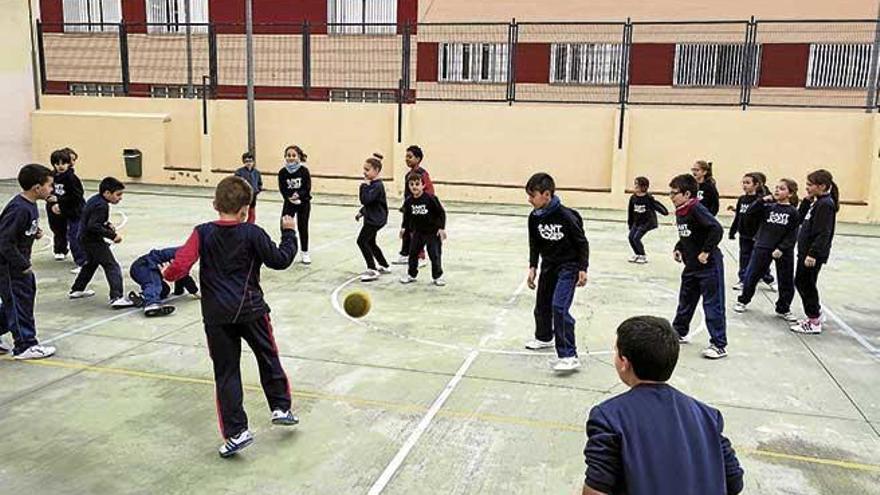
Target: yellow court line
(416, 408)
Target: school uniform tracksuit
(814, 239)
(145, 272)
(778, 230)
(747, 227)
(68, 190)
(233, 308)
(424, 217)
(700, 232)
(429, 189)
(556, 237)
(641, 218)
(374, 210)
(95, 230)
(296, 179)
(255, 179)
(19, 224)
(707, 194)
(655, 440)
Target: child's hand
(777, 254)
(117, 239)
(676, 255)
(703, 258)
(367, 181)
(441, 234)
(163, 267)
(357, 218)
(39, 234)
(52, 199)
(582, 278)
(288, 223)
(530, 281)
(768, 198)
(809, 262)
(56, 209)
(402, 232)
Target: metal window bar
(711, 64)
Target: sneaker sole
(238, 449)
(285, 422)
(714, 358)
(83, 296)
(163, 311)
(30, 358)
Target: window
(169, 16)
(91, 12)
(839, 66)
(473, 62)
(95, 89)
(596, 64)
(363, 95)
(175, 91)
(712, 64)
(362, 16)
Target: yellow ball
(356, 304)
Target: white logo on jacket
(419, 209)
(684, 230)
(778, 218)
(639, 209)
(59, 189)
(550, 232)
(744, 208)
(32, 230)
(700, 195)
(294, 183)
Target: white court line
(851, 332)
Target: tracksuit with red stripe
(233, 308)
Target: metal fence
(761, 63)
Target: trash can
(133, 162)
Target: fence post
(306, 58)
(871, 100)
(512, 35)
(212, 58)
(400, 87)
(406, 49)
(123, 58)
(206, 80)
(623, 87)
(41, 54)
(748, 63)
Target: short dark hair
(651, 345)
(541, 182)
(247, 155)
(232, 194)
(60, 156)
(110, 185)
(643, 182)
(416, 151)
(72, 153)
(414, 176)
(33, 174)
(685, 183)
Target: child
(250, 173)
(146, 272)
(232, 252)
(703, 275)
(425, 219)
(819, 212)
(707, 192)
(642, 218)
(96, 227)
(67, 207)
(653, 439)
(556, 236)
(295, 184)
(747, 225)
(19, 227)
(414, 157)
(375, 214)
(60, 160)
(778, 220)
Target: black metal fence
(772, 63)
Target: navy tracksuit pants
(760, 264)
(707, 283)
(746, 246)
(806, 280)
(17, 294)
(153, 288)
(99, 255)
(635, 239)
(224, 344)
(553, 320)
(434, 245)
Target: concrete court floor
(127, 405)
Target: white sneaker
(60, 256)
(440, 282)
(739, 307)
(306, 259)
(4, 347)
(236, 444)
(738, 286)
(384, 270)
(641, 260)
(537, 345)
(771, 286)
(75, 270)
(80, 294)
(423, 262)
(807, 327)
(121, 302)
(634, 258)
(402, 260)
(406, 279)
(567, 364)
(369, 276)
(36, 352)
(284, 418)
(789, 317)
(713, 352)
(683, 340)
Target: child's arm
(534, 254)
(184, 259)
(732, 469)
(96, 222)
(629, 212)
(658, 206)
(407, 215)
(306, 189)
(580, 241)
(11, 228)
(426, 179)
(281, 256)
(716, 232)
(790, 238)
(602, 455)
(823, 220)
(734, 226)
(282, 185)
(439, 213)
(369, 193)
(711, 199)
(259, 182)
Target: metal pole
(42, 57)
(34, 75)
(871, 100)
(249, 37)
(123, 58)
(399, 111)
(306, 59)
(205, 81)
(189, 53)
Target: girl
(819, 212)
(295, 184)
(707, 193)
(777, 219)
(375, 214)
(642, 217)
(747, 225)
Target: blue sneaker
(285, 418)
(236, 444)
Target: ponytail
(835, 195)
(706, 167)
(792, 190)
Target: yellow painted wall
(16, 86)
(476, 152)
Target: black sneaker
(136, 299)
(158, 310)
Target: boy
(146, 272)
(232, 252)
(65, 208)
(425, 220)
(250, 173)
(96, 227)
(556, 236)
(414, 157)
(19, 227)
(653, 439)
(703, 275)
